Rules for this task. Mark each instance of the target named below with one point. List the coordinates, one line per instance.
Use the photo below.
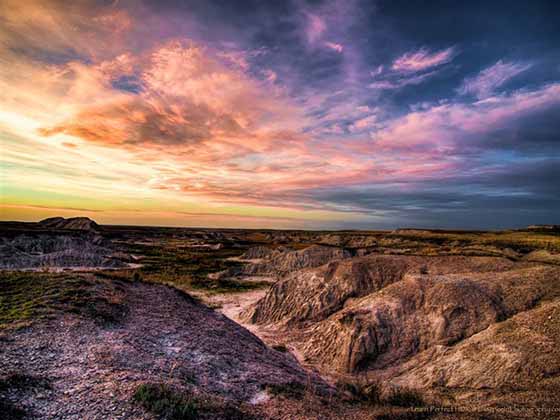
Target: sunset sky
(285, 114)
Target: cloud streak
(422, 60)
(488, 80)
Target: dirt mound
(73, 223)
(407, 317)
(314, 294)
(94, 369)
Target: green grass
(166, 403)
(171, 404)
(186, 268)
(370, 393)
(295, 390)
(522, 241)
(26, 296)
(404, 397)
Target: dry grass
(28, 296)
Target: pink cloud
(238, 58)
(334, 46)
(484, 84)
(401, 82)
(422, 60)
(270, 75)
(444, 129)
(365, 123)
(315, 28)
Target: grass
(171, 404)
(404, 397)
(363, 391)
(295, 390)
(521, 241)
(169, 262)
(166, 403)
(28, 296)
(281, 348)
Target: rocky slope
(93, 368)
(260, 252)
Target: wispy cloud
(401, 81)
(411, 68)
(422, 59)
(334, 46)
(315, 28)
(488, 80)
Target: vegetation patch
(165, 402)
(372, 393)
(294, 390)
(281, 348)
(27, 296)
(169, 262)
(404, 397)
(171, 404)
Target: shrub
(281, 348)
(362, 391)
(404, 397)
(295, 390)
(165, 402)
(171, 404)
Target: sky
(338, 114)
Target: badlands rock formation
(314, 294)
(74, 223)
(282, 262)
(56, 251)
(59, 243)
(519, 352)
(259, 252)
(381, 312)
(420, 312)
